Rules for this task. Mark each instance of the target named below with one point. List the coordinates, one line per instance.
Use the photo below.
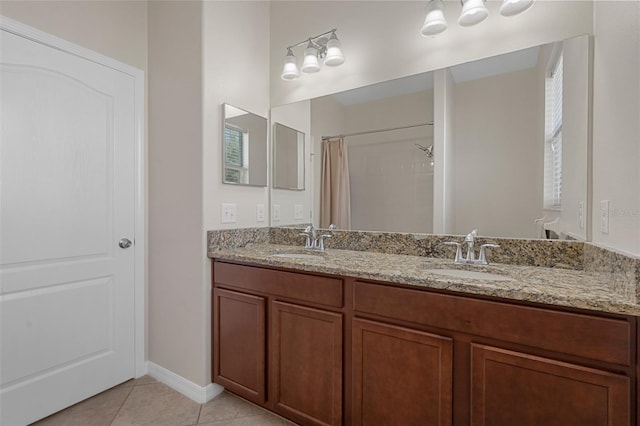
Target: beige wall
(296, 116)
(117, 29)
(443, 150)
(381, 39)
(235, 48)
(616, 132)
(498, 156)
(575, 134)
(176, 275)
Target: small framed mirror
(244, 147)
(288, 158)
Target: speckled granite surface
(621, 272)
(547, 253)
(567, 273)
(234, 238)
(555, 286)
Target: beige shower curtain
(335, 195)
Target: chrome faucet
(313, 240)
(470, 240)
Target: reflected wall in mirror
(244, 147)
(288, 158)
(507, 158)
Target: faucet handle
(332, 226)
(320, 244)
(307, 234)
(458, 250)
(482, 259)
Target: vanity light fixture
(473, 12)
(318, 47)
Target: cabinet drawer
(304, 287)
(604, 339)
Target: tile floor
(145, 401)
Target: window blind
(553, 139)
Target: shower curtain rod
(324, 138)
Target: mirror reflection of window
(553, 136)
(244, 147)
(236, 155)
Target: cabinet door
(511, 388)
(306, 364)
(400, 376)
(239, 343)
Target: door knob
(124, 243)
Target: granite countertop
(553, 286)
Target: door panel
(239, 333)
(400, 376)
(515, 388)
(67, 156)
(306, 364)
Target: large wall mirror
(518, 146)
(288, 158)
(244, 147)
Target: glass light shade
(514, 7)
(434, 22)
(310, 63)
(473, 12)
(290, 68)
(334, 52)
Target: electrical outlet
(581, 215)
(259, 212)
(228, 213)
(298, 211)
(276, 213)
(604, 216)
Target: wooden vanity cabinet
(323, 350)
(513, 364)
(294, 322)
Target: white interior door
(67, 192)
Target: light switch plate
(604, 216)
(228, 213)
(276, 213)
(298, 211)
(259, 212)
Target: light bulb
(334, 56)
(310, 63)
(515, 7)
(434, 22)
(473, 12)
(290, 68)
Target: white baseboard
(186, 387)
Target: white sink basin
(298, 256)
(474, 275)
